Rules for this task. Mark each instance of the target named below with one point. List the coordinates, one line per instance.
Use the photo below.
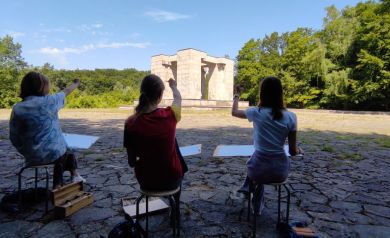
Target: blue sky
(119, 34)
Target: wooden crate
(70, 198)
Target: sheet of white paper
(238, 150)
(75, 141)
(191, 150)
(153, 206)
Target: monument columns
(189, 68)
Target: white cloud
(60, 54)
(15, 34)
(89, 27)
(117, 45)
(58, 29)
(165, 16)
(84, 48)
(97, 25)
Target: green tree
(11, 65)
(370, 56)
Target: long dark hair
(33, 84)
(271, 95)
(151, 90)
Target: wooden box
(70, 198)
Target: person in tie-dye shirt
(35, 128)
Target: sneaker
(78, 178)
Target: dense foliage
(345, 65)
(99, 87)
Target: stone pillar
(165, 67)
(186, 68)
(221, 82)
(189, 73)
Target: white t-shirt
(270, 135)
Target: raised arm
(176, 104)
(175, 92)
(235, 111)
(72, 87)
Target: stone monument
(203, 80)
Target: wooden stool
(256, 203)
(173, 196)
(36, 167)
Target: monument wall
(198, 75)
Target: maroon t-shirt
(152, 137)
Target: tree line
(345, 65)
(99, 88)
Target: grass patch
(99, 159)
(384, 142)
(349, 156)
(344, 137)
(327, 148)
(118, 149)
(219, 161)
(336, 164)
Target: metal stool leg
(288, 203)
(279, 198)
(137, 201)
(256, 208)
(249, 201)
(249, 207)
(147, 215)
(36, 185)
(47, 191)
(173, 214)
(177, 201)
(20, 188)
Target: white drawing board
(191, 150)
(153, 206)
(75, 141)
(238, 150)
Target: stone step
(202, 103)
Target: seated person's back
(150, 137)
(35, 130)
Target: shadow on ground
(341, 187)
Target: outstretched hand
(71, 88)
(238, 88)
(172, 83)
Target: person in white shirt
(272, 125)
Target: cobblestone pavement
(341, 187)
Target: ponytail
(277, 113)
(142, 104)
(271, 95)
(152, 88)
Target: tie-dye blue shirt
(35, 128)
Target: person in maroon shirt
(150, 137)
